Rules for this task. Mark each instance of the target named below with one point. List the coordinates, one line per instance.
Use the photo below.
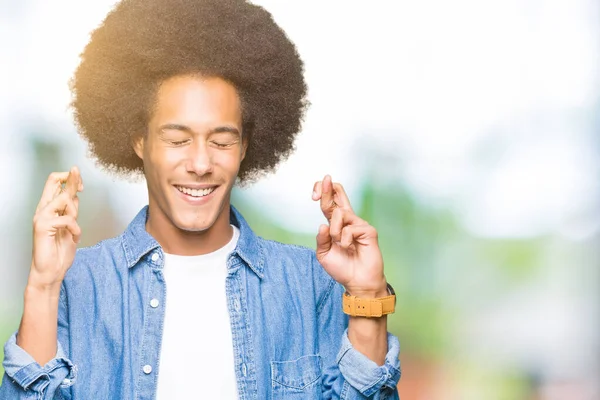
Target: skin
(348, 250)
(195, 140)
(55, 237)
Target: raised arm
(348, 250)
(32, 356)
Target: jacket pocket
(296, 379)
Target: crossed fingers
(59, 205)
(332, 196)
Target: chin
(195, 217)
(193, 226)
(192, 222)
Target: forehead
(196, 100)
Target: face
(192, 154)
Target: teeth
(195, 192)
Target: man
(188, 302)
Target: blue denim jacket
(289, 331)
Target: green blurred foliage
(438, 270)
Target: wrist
(377, 304)
(40, 298)
(41, 283)
(41, 290)
(373, 291)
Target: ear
(138, 146)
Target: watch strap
(360, 307)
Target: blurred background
(466, 132)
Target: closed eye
(222, 145)
(179, 142)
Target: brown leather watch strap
(359, 307)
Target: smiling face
(192, 154)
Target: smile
(196, 192)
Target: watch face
(392, 292)
(390, 289)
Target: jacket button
(154, 303)
(154, 256)
(147, 369)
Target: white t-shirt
(196, 359)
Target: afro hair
(143, 42)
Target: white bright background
(431, 80)
(488, 108)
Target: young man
(188, 302)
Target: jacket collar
(137, 242)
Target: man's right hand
(55, 231)
(55, 237)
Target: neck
(177, 241)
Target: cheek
(231, 159)
(228, 160)
(155, 167)
(162, 158)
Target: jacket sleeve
(347, 373)
(24, 378)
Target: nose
(199, 159)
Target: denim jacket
(289, 332)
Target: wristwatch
(359, 307)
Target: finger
(70, 207)
(357, 234)
(65, 222)
(336, 223)
(347, 237)
(316, 194)
(327, 203)
(340, 197)
(340, 218)
(72, 210)
(72, 183)
(52, 188)
(71, 225)
(332, 196)
(63, 204)
(337, 187)
(323, 240)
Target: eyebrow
(187, 129)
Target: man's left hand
(348, 248)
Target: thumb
(323, 240)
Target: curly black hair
(143, 42)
